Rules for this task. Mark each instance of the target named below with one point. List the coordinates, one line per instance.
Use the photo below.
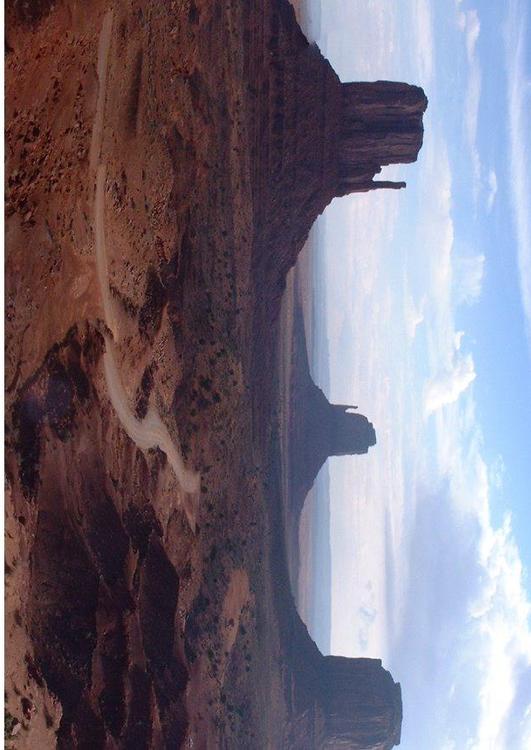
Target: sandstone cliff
(318, 139)
(335, 702)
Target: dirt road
(150, 432)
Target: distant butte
(317, 429)
(319, 139)
(339, 702)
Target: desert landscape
(164, 165)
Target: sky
(428, 304)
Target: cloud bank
(519, 105)
(446, 387)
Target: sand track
(103, 57)
(150, 432)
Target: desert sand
(124, 401)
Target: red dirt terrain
(164, 164)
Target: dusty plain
(137, 600)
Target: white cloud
(468, 278)
(472, 29)
(469, 588)
(435, 229)
(424, 45)
(492, 189)
(413, 315)
(497, 473)
(470, 25)
(371, 32)
(364, 40)
(448, 397)
(366, 618)
(519, 102)
(501, 617)
(446, 387)
(467, 613)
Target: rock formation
(337, 702)
(320, 139)
(317, 429)
(320, 430)
(362, 705)
(353, 704)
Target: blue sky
(429, 322)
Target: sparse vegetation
(10, 722)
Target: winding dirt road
(103, 57)
(150, 432)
